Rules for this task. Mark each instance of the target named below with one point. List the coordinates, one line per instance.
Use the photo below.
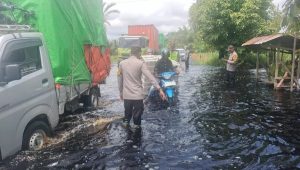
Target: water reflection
(131, 152)
(245, 125)
(213, 126)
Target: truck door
(23, 99)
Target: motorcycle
(169, 86)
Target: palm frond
(107, 22)
(107, 10)
(108, 7)
(111, 12)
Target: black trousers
(187, 63)
(231, 75)
(134, 109)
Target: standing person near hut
(231, 65)
(130, 86)
(187, 61)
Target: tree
(219, 23)
(107, 10)
(291, 24)
(291, 18)
(7, 13)
(181, 38)
(5, 20)
(276, 20)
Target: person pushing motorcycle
(130, 86)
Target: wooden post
(268, 59)
(293, 64)
(298, 72)
(257, 66)
(274, 56)
(276, 68)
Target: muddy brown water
(213, 126)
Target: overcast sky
(166, 15)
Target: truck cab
(28, 102)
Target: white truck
(30, 101)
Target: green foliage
(113, 45)
(121, 53)
(4, 19)
(183, 37)
(222, 22)
(208, 58)
(248, 59)
(291, 19)
(274, 24)
(8, 15)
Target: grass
(210, 58)
(114, 58)
(246, 61)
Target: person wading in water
(131, 88)
(231, 65)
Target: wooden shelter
(279, 45)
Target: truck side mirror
(12, 72)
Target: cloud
(166, 15)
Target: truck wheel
(35, 136)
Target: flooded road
(212, 127)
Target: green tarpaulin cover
(67, 25)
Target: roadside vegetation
(214, 24)
(208, 58)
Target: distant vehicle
(182, 54)
(126, 41)
(149, 31)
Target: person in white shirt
(131, 88)
(231, 65)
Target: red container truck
(149, 31)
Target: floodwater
(212, 127)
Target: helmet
(165, 53)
